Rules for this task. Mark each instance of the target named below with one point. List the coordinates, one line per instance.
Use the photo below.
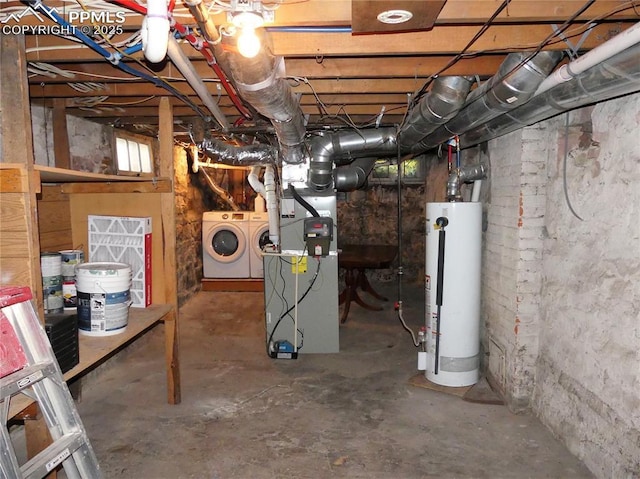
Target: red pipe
(136, 7)
(131, 5)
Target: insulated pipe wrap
(238, 155)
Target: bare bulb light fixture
(248, 42)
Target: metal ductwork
(343, 147)
(260, 81)
(515, 83)
(619, 75)
(439, 105)
(354, 175)
(248, 155)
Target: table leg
(364, 284)
(345, 296)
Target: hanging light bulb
(248, 42)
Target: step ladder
(28, 366)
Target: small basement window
(385, 172)
(134, 154)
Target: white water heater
(452, 292)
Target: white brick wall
(561, 297)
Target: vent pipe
(516, 81)
(345, 146)
(617, 76)
(439, 105)
(260, 81)
(354, 175)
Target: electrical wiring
(53, 15)
(564, 168)
(297, 303)
(455, 59)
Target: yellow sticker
(299, 262)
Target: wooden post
(60, 135)
(165, 138)
(17, 147)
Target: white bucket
(103, 298)
(51, 268)
(71, 258)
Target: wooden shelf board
(94, 350)
(232, 285)
(50, 174)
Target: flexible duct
(354, 175)
(185, 66)
(238, 155)
(260, 81)
(617, 76)
(343, 147)
(440, 104)
(155, 31)
(515, 83)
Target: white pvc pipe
(183, 64)
(475, 192)
(254, 181)
(599, 54)
(155, 31)
(272, 205)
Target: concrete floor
(352, 414)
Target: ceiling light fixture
(247, 17)
(392, 17)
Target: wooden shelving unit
(46, 209)
(69, 207)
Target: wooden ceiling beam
(182, 110)
(305, 99)
(380, 67)
(338, 86)
(444, 40)
(338, 12)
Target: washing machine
(225, 244)
(258, 238)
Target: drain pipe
(185, 66)
(155, 31)
(254, 181)
(599, 54)
(272, 205)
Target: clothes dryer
(225, 244)
(258, 238)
